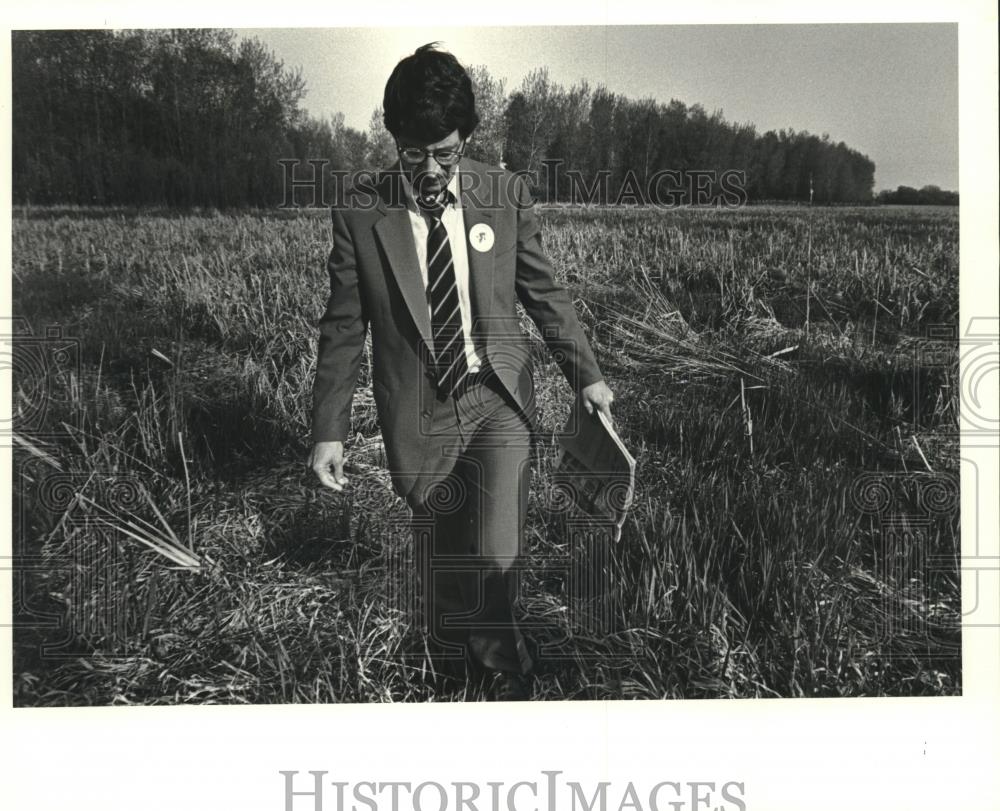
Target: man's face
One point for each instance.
(428, 177)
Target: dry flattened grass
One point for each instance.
(744, 569)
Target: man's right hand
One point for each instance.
(325, 455)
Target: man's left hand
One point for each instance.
(597, 395)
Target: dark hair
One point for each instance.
(429, 95)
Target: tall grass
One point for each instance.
(764, 362)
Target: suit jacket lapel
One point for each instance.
(396, 236)
(476, 210)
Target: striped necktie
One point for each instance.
(450, 365)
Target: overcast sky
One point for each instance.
(890, 91)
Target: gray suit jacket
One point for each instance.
(375, 280)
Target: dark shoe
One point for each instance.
(511, 687)
(443, 670)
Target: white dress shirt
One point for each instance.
(454, 225)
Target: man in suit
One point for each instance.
(432, 256)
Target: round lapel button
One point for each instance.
(481, 237)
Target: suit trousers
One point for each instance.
(469, 508)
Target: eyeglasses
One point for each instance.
(445, 157)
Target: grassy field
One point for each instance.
(786, 378)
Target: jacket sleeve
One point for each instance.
(342, 332)
(547, 302)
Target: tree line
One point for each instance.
(924, 196)
(184, 117)
(202, 117)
